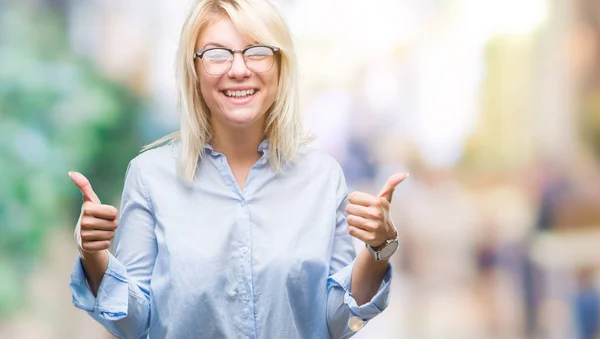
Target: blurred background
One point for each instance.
(493, 106)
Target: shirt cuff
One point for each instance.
(113, 294)
(376, 305)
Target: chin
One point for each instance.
(240, 112)
(242, 117)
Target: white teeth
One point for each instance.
(239, 94)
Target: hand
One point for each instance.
(97, 223)
(369, 216)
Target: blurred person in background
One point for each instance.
(586, 305)
(232, 226)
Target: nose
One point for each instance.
(238, 68)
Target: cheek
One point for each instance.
(207, 90)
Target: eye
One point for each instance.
(217, 54)
(258, 52)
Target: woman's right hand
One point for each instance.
(94, 232)
(97, 223)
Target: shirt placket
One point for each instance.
(245, 266)
(243, 260)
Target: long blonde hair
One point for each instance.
(256, 20)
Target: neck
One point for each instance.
(239, 145)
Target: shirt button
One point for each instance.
(245, 297)
(355, 323)
(244, 249)
(243, 203)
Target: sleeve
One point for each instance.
(122, 304)
(344, 316)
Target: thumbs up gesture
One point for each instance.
(369, 216)
(97, 222)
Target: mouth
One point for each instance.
(239, 97)
(239, 94)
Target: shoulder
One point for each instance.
(159, 158)
(315, 160)
(321, 169)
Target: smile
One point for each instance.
(239, 93)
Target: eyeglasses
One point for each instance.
(218, 60)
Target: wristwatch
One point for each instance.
(385, 251)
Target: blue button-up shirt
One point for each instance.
(273, 260)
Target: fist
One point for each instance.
(369, 215)
(97, 223)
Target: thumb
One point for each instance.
(388, 189)
(86, 188)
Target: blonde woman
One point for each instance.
(233, 227)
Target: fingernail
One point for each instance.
(70, 173)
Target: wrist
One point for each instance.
(385, 251)
(393, 234)
(95, 256)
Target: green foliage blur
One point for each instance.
(57, 113)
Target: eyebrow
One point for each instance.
(216, 44)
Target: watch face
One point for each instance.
(387, 251)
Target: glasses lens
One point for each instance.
(259, 59)
(217, 61)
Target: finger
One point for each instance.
(85, 187)
(388, 189)
(361, 234)
(362, 223)
(371, 213)
(363, 199)
(92, 223)
(95, 235)
(95, 246)
(100, 211)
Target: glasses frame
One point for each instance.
(200, 54)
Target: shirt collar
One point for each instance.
(262, 147)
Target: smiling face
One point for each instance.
(239, 97)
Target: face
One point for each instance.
(239, 97)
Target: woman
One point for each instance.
(235, 228)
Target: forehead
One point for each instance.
(221, 31)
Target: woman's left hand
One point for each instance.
(369, 216)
